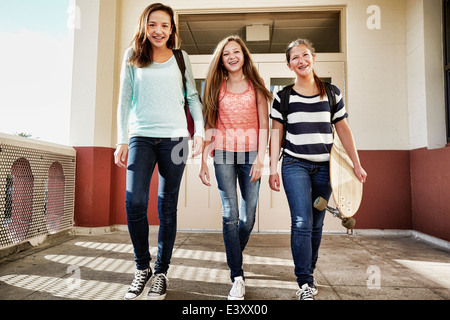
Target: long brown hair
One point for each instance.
(309, 44)
(142, 54)
(217, 73)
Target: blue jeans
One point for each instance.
(303, 183)
(144, 153)
(237, 222)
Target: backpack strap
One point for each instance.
(284, 95)
(180, 61)
(331, 94)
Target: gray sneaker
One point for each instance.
(158, 287)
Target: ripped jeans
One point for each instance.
(238, 221)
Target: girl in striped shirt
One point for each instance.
(306, 154)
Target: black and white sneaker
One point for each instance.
(305, 293)
(158, 287)
(137, 286)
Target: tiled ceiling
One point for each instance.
(200, 33)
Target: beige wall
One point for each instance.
(376, 76)
(394, 78)
(379, 63)
(393, 88)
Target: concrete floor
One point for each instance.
(350, 267)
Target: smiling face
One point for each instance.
(232, 57)
(301, 60)
(159, 28)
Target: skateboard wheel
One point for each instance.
(349, 223)
(320, 204)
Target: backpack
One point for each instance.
(180, 61)
(285, 94)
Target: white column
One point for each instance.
(426, 101)
(93, 73)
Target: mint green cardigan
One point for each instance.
(151, 101)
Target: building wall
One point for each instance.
(394, 96)
(376, 73)
(429, 156)
(430, 186)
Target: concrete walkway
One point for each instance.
(350, 267)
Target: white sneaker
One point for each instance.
(305, 293)
(138, 284)
(237, 292)
(314, 288)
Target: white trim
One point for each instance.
(86, 231)
(430, 239)
(356, 232)
(36, 144)
(403, 233)
(272, 57)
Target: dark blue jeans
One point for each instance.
(303, 183)
(144, 153)
(238, 221)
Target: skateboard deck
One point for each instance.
(346, 188)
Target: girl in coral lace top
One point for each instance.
(236, 113)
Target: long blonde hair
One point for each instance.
(217, 74)
(142, 54)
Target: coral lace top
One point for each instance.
(237, 121)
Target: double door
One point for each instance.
(199, 206)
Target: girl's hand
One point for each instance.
(256, 170)
(120, 155)
(360, 173)
(197, 146)
(204, 174)
(274, 182)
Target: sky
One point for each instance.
(35, 69)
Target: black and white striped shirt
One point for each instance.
(309, 135)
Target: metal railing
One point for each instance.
(37, 189)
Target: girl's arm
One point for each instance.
(276, 138)
(263, 118)
(195, 107)
(123, 111)
(204, 171)
(348, 142)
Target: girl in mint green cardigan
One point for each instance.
(152, 129)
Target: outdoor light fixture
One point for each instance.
(257, 32)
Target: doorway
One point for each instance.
(200, 206)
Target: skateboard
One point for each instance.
(346, 188)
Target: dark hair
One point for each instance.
(309, 44)
(142, 54)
